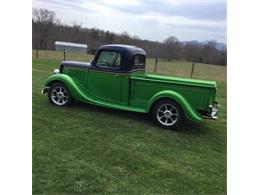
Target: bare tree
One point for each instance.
(43, 21)
(173, 48)
(209, 51)
(192, 52)
(44, 16)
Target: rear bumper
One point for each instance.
(213, 114)
(45, 89)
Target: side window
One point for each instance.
(139, 60)
(109, 59)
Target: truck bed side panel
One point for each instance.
(143, 90)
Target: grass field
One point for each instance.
(85, 149)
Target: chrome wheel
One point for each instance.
(59, 95)
(167, 114)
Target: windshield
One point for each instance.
(109, 59)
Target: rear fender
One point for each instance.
(189, 112)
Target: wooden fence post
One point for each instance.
(64, 54)
(155, 67)
(192, 69)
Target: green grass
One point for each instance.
(85, 149)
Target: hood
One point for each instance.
(179, 80)
(74, 64)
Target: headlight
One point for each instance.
(56, 71)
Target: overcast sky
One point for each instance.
(149, 19)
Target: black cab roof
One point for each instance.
(123, 48)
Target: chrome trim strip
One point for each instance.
(115, 72)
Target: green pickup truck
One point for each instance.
(116, 78)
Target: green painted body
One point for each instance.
(137, 91)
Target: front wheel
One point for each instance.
(59, 95)
(167, 114)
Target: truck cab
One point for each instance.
(108, 77)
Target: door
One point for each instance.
(104, 79)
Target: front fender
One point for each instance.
(74, 88)
(189, 112)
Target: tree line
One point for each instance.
(47, 28)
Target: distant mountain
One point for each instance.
(219, 45)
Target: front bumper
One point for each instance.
(45, 89)
(213, 113)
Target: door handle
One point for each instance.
(116, 75)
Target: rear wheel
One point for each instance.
(167, 114)
(59, 95)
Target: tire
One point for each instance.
(59, 95)
(167, 114)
